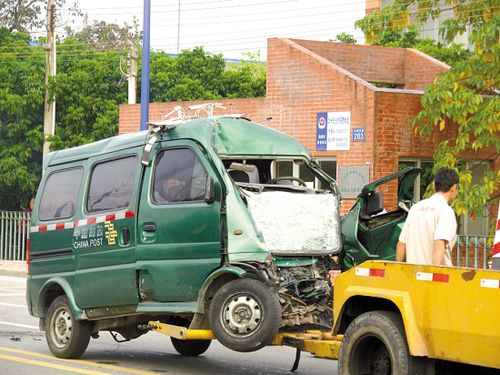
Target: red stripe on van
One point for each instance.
(91, 220)
(42, 228)
(129, 214)
(59, 226)
(110, 217)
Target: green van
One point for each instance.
(188, 224)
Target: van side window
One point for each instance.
(112, 184)
(178, 177)
(60, 194)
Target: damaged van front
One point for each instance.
(281, 231)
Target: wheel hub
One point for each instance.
(62, 328)
(242, 314)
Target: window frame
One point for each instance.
(89, 180)
(151, 197)
(52, 173)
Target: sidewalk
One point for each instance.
(13, 268)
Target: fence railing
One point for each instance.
(14, 234)
(470, 251)
(473, 251)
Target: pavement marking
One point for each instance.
(51, 365)
(79, 361)
(13, 305)
(11, 294)
(18, 325)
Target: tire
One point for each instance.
(190, 348)
(258, 319)
(375, 343)
(66, 336)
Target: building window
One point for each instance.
(178, 177)
(60, 194)
(283, 168)
(112, 184)
(466, 225)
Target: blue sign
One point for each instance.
(332, 131)
(321, 130)
(359, 134)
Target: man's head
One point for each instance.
(446, 182)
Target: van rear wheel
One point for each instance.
(66, 336)
(190, 348)
(245, 315)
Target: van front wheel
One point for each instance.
(66, 336)
(245, 315)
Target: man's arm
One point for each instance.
(438, 253)
(400, 252)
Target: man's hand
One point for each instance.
(400, 252)
(438, 253)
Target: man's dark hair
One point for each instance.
(444, 179)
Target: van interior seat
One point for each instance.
(244, 173)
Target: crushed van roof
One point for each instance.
(229, 137)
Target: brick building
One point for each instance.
(379, 88)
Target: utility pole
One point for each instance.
(145, 66)
(178, 26)
(49, 116)
(132, 74)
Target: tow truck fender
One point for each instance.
(403, 303)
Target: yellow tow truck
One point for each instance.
(397, 318)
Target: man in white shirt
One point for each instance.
(429, 232)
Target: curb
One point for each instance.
(13, 268)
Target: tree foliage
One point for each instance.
(344, 38)
(89, 87)
(465, 98)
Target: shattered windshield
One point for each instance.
(294, 223)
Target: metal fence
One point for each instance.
(473, 251)
(470, 251)
(14, 234)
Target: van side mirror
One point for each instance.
(209, 190)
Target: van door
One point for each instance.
(104, 239)
(179, 232)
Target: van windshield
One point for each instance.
(296, 223)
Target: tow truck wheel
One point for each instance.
(66, 336)
(190, 348)
(375, 343)
(245, 315)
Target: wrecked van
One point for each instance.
(186, 224)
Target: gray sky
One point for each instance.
(232, 27)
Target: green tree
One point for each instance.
(21, 118)
(88, 92)
(345, 38)
(466, 97)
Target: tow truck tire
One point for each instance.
(66, 336)
(190, 348)
(375, 343)
(245, 315)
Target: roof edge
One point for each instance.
(328, 63)
(429, 58)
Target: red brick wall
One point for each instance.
(396, 138)
(299, 84)
(421, 69)
(371, 63)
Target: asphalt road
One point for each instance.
(23, 350)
